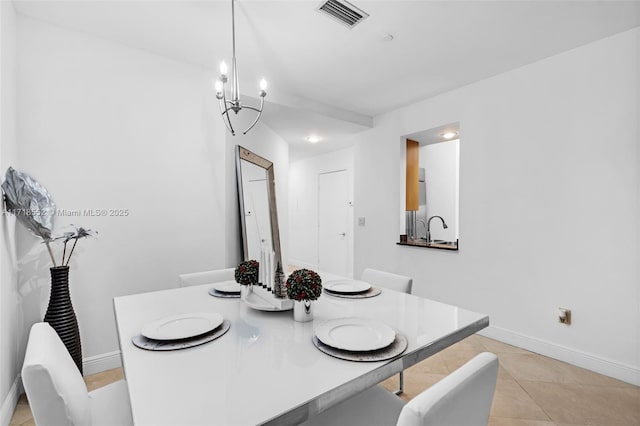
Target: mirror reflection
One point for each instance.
(258, 214)
(256, 208)
(432, 188)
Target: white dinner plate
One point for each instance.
(182, 326)
(347, 286)
(227, 287)
(355, 334)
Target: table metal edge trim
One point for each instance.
(328, 399)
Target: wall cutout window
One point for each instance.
(432, 187)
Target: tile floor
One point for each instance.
(532, 390)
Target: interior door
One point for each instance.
(333, 223)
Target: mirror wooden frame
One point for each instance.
(253, 158)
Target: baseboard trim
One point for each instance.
(617, 370)
(10, 402)
(99, 363)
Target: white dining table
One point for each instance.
(265, 369)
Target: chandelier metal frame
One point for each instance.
(234, 104)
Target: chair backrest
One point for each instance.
(56, 391)
(388, 280)
(207, 277)
(462, 398)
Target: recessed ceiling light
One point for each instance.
(449, 134)
(313, 138)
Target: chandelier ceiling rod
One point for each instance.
(234, 104)
(235, 91)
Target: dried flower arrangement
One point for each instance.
(247, 272)
(304, 284)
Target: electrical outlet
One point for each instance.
(361, 221)
(564, 316)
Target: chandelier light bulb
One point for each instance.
(218, 86)
(223, 68)
(263, 84)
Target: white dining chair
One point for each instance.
(463, 398)
(388, 280)
(207, 277)
(57, 393)
(393, 282)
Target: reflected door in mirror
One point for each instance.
(257, 216)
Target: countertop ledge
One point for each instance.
(424, 244)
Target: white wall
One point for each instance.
(10, 326)
(303, 204)
(103, 126)
(549, 211)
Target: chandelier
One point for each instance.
(234, 104)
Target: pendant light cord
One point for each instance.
(235, 92)
(233, 28)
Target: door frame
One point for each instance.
(349, 224)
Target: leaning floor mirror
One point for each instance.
(257, 202)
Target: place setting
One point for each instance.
(181, 331)
(226, 290)
(358, 339)
(350, 289)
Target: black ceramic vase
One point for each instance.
(60, 314)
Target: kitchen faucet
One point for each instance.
(444, 225)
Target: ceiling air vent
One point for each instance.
(343, 12)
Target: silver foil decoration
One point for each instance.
(32, 205)
(30, 202)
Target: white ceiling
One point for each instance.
(434, 135)
(316, 65)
